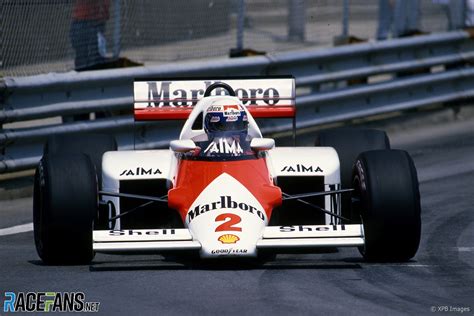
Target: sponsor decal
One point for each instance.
(167, 95)
(302, 228)
(224, 202)
(68, 302)
(131, 232)
(223, 147)
(215, 119)
(228, 239)
(231, 118)
(231, 107)
(140, 172)
(301, 168)
(231, 110)
(215, 108)
(228, 251)
(230, 221)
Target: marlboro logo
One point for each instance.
(224, 202)
(178, 94)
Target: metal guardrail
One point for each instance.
(333, 84)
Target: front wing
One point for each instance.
(274, 237)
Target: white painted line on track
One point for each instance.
(16, 229)
(409, 265)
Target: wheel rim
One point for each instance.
(39, 210)
(356, 206)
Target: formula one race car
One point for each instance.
(222, 190)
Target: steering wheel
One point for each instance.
(219, 85)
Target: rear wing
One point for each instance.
(174, 99)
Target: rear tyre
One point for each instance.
(65, 203)
(349, 143)
(387, 199)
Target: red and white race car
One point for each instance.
(221, 189)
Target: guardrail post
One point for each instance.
(345, 19)
(456, 15)
(117, 25)
(296, 20)
(406, 17)
(240, 25)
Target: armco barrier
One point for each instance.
(383, 77)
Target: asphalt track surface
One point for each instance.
(439, 280)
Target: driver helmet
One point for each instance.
(225, 118)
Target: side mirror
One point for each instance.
(261, 144)
(182, 145)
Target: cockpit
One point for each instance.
(220, 128)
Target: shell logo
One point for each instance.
(228, 239)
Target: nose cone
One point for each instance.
(226, 219)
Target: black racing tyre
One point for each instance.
(65, 202)
(92, 145)
(349, 143)
(387, 198)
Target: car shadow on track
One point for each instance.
(221, 265)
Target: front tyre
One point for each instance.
(65, 203)
(387, 199)
(91, 145)
(349, 143)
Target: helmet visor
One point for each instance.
(222, 126)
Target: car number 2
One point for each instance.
(230, 220)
